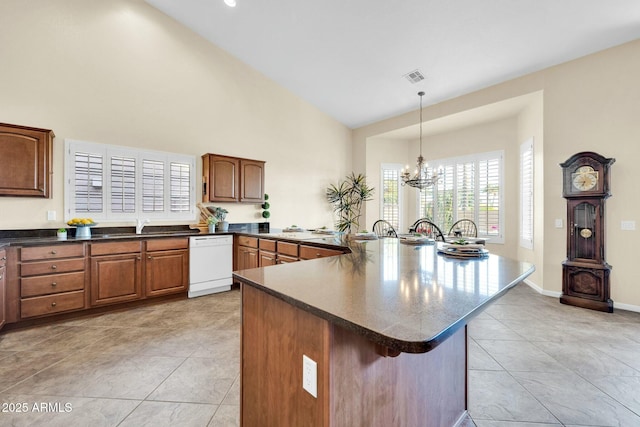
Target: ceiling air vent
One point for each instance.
(414, 76)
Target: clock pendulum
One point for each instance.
(585, 273)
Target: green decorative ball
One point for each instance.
(266, 196)
(265, 205)
(266, 214)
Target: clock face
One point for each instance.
(586, 233)
(584, 178)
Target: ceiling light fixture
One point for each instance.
(422, 177)
(230, 3)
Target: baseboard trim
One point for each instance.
(553, 294)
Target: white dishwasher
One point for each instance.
(210, 264)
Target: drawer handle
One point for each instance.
(148, 256)
(1, 276)
(317, 255)
(53, 304)
(54, 267)
(53, 252)
(54, 284)
(4, 258)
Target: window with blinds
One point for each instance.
(468, 187)
(390, 203)
(88, 182)
(180, 185)
(526, 194)
(152, 185)
(119, 183)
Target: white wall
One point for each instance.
(120, 72)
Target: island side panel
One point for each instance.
(368, 389)
(275, 335)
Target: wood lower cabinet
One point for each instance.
(166, 266)
(312, 252)
(128, 271)
(267, 252)
(116, 272)
(247, 254)
(25, 161)
(52, 279)
(3, 261)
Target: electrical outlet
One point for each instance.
(558, 222)
(628, 225)
(51, 215)
(310, 376)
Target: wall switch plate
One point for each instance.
(628, 225)
(310, 376)
(558, 222)
(51, 215)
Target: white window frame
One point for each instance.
(107, 151)
(526, 214)
(476, 159)
(394, 167)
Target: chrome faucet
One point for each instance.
(140, 223)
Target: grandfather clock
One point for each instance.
(585, 273)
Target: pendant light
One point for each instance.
(422, 177)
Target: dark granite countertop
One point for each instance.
(407, 298)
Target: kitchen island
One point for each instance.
(385, 326)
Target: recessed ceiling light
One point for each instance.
(230, 3)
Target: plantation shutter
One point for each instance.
(465, 191)
(88, 170)
(123, 184)
(152, 185)
(489, 197)
(180, 178)
(526, 194)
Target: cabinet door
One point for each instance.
(116, 278)
(251, 181)
(267, 258)
(167, 272)
(25, 161)
(221, 175)
(247, 258)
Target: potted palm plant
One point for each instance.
(347, 198)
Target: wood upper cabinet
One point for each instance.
(232, 179)
(251, 181)
(25, 161)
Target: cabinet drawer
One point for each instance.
(311, 252)
(167, 244)
(51, 252)
(51, 304)
(283, 259)
(267, 245)
(287, 248)
(52, 267)
(111, 248)
(51, 284)
(252, 242)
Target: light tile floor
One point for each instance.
(533, 363)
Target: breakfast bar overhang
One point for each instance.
(386, 326)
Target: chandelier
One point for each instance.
(422, 177)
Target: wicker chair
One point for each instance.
(383, 229)
(464, 228)
(429, 229)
